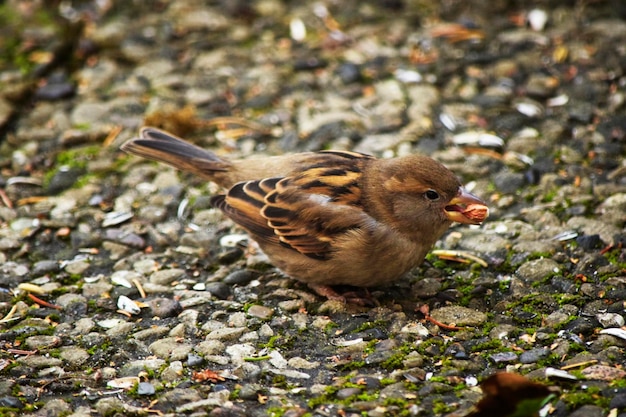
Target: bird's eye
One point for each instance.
(432, 195)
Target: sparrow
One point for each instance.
(330, 217)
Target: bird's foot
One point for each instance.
(349, 297)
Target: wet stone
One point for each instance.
(504, 357)
(165, 307)
(219, 290)
(194, 360)
(240, 277)
(170, 349)
(11, 402)
(588, 411)
(346, 393)
(534, 355)
(260, 312)
(166, 276)
(509, 182)
(589, 242)
(42, 342)
(134, 367)
(537, 269)
(426, 287)
(173, 372)
(145, 388)
(250, 391)
(581, 325)
(40, 361)
(460, 316)
(73, 356)
(45, 267)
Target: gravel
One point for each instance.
(122, 292)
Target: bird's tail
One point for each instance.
(161, 146)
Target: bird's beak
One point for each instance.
(467, 208)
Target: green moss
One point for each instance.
(75, 158)
(352, 365)
(330, 327)
(428, 343)
(618, 383)
(591, 396)
(99, 348)
(440, 407)
(132, 392)
(10, 412)
(614, 256)
(491, 344)
(276, 411)
(326, 398)
(370, 325)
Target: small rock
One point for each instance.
(165, 307)
(261, 312)
(589, 242)
(194, 360)
(240, 277)
(588, 411)
(610, 320)
(45, 267)
(210, 347)
(9, 401)
(74, 356)
(173, 372)
(145, 388)
(170, 348)
(218, 289)
(504, 357)
(459, 316)
(228, 333)
(534, 355)
(537, 269)
(57, 407)
(239, 352)
(166, 276)
(346, 393)
(250, 391)
(42, 342)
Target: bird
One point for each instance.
(331, 217)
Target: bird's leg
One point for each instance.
(350, 297)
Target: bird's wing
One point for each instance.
(306, 211)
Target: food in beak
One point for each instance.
(467, 208)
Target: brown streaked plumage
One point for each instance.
(330, 217)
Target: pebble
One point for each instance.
(194, 360)
(219, 290)
(145, 388)
(537, 269)
(393, 94)
(42, 342)
(260, 312)
(228, 333)
(459, 316)
(534, 355)
(170, 348)
(173, 372)
(504, 357)
(239, 352)
(75, 357)
(167, 276)
(39, 362)
(240, 277)
(164, 307)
